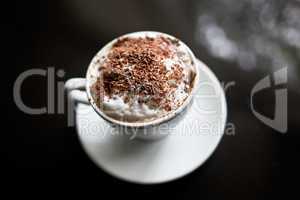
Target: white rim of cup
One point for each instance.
(153, 122)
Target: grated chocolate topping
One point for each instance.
(134, 68)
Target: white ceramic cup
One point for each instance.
(153, 129)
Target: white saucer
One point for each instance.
(187, 147)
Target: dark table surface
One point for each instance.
(242, 42)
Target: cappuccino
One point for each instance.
(142, 78)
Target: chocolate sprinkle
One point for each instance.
(134, 67)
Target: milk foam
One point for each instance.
(115, 106)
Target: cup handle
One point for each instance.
(75, 88)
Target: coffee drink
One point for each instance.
(142, 77)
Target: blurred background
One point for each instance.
(241, 41)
